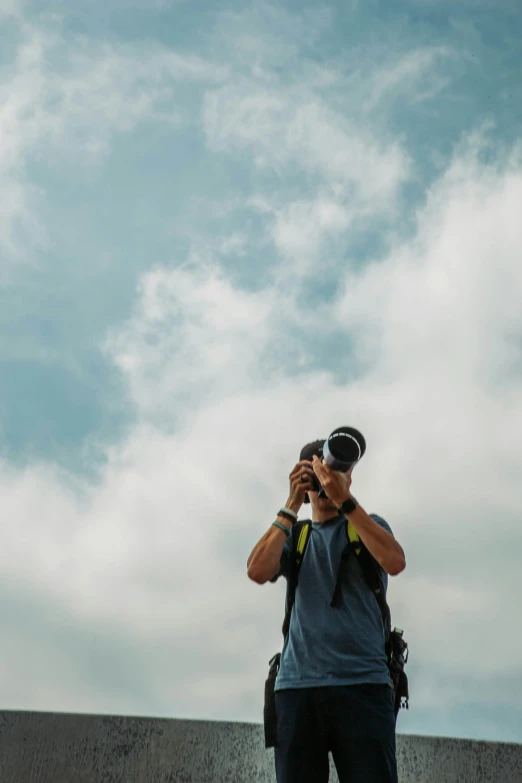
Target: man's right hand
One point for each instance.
(301, 482)
(264, 561)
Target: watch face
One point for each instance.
(348, 505)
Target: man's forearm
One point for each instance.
(263, 563)
(264, 559)
(381, 544)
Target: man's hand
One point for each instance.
(381, 544)
(301, 482)
(335, 484)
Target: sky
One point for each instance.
(225, 231)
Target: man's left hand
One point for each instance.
(335, 484)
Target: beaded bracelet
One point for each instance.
(281, 527)
(287, 515)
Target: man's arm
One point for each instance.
(381, 544)
(264, 561)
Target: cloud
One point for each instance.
(193, 335)
(157, 549)
(323, 123)
(71, 115)
(11, 7)
(415, 76)
(143, 569)
(264, 37)
(354, 177)
(300, 228)
(285, 128)
(463, 306)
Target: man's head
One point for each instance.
(316, 447)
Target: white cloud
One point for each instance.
(299, 231)
(233, 244)
(65, 101)
(356, 176)
(285, 127)
(265, 35)
(11, 7)
(152, 557)
(459, 280)
(325, 124)
(193, 335)
(322, 121)
(442, 465)
(415, 76)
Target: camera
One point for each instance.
(343, 449)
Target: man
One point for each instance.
(333, 691)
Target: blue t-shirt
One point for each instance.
(332, 646)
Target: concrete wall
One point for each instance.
(62, 748)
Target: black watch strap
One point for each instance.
(348, 506)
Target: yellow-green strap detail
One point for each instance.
(353, 536)
(302, 538)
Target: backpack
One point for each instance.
(395, 646)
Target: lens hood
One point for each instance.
(344, 448)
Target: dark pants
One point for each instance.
(355, 722)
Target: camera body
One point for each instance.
(315, 481)
(341, 451)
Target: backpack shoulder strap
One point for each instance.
(300, 537)
(351, 546)
(370, 571)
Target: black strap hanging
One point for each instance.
(293, 574)
(371, 575)
(345, 555)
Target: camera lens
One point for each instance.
(344, 448)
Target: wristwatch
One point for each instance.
(348, 506)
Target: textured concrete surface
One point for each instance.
(63, 748)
